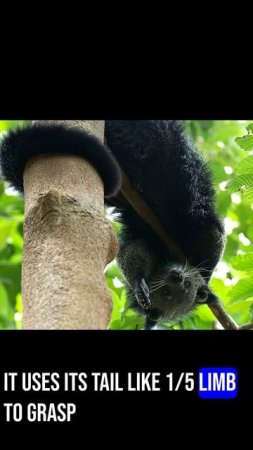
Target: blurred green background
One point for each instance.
(227, 146)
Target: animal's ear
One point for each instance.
(153, 316)
(205, 295)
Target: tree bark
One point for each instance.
(67, 242)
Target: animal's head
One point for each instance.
(176, 292)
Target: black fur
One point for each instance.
(20, 145)
(176, 183)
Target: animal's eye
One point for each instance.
(187, 284)
(202, 295)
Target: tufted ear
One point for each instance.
(20, 145)
(154, 315)
(205, 295)
(202, 294)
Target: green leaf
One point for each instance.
(242, 183)
(10, 276)
(245, 166)
(6, 125)
(114, 272)
(128, 323)
(231, 246)
(249, 128)
(217, 171)
(1, 187)
(240, 311)
(219, 288)
(243, 290)
(245, 142)
(117, 306)
(243, 262)
(19, 305)
(4, 302)
(6, 227)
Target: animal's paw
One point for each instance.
(142, 295)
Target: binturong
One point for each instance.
(173, 179)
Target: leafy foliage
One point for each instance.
(243, 263)
(223, 144)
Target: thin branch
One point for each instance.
(225, 320)
(147, 214)
(136, 200)
(248, 326)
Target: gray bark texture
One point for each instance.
(67, 242)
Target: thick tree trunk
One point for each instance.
(67, 242)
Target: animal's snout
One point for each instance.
(176, 276)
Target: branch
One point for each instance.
(225, 320)
(145, 212)
(135, 199)
(67, 239)
(248, 326)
